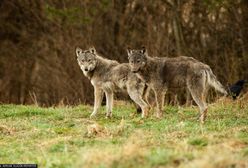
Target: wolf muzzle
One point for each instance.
(135, 70)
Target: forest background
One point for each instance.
(38, 40)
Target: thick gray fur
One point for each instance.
(107, 76)
(161, 74)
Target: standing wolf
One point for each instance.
(108, 75)
(161, 74)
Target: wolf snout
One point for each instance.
(134, 70)
(86, 69)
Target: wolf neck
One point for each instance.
(104, 63)
(89, 74)
(103, 66)
(145, 72)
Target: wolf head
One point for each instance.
(137, 59)
(86, 59)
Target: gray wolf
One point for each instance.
(161, 74)
(107, 76)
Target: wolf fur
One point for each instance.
(107, 76)
(163, 73)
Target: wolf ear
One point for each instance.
(92, 50)
(78, 51)
(129, 50)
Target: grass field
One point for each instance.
(65, 137)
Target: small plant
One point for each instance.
(201, 142)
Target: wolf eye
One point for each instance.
(138, 61)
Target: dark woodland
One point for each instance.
(38, 40)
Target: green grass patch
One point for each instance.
(66, 137)
(200, 142)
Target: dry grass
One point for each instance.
(65, 137)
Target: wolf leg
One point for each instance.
(98, 96)
(146, 94)
(188, 98)
(138, 108)
(198, 94)
(159, 97)
(136, 92)
(137, 98)
(109, 98)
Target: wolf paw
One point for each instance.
(202, 118)
(145, 112)
(92, 116)
(144, 115)
(159, 115)
(108, 115)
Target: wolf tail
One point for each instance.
(212, 81)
